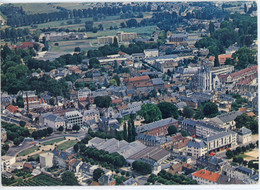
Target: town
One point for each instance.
(139, 93)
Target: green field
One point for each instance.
(28, 151)
(53, 141)
(40, 180)
(34, 8)
(66, 145)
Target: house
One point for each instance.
(206, 177)
(244, 170)
(107, 180)
(92, 114)
(196, 148)
(210, 162)
(150, 140)
(227, 120)
(244, 135)
(54, 121)
(27, 166)
(189, 125)
(158, 83)
(180, 167)
(138, 82)
(12, 109)
(157, 128)
(205, 129)
(130, 181)
(60, 158)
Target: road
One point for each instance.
(14, 150)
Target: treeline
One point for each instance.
(228, 34)
(167, 178)
(93, 154)
(137, 47)
(17, 17)
(13, 34)
(42, 133)
(15, 133)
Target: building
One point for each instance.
(206, 177)
(46, 160)
(157, 128)
(189, 125)
(91, 114)
(73, 118)
(178, 38)
(59, 158)
(221, 141)
(244, 135)
(7, 162)
(210, 162)
(130, 181)
(222, 58)
(150, 140)
(126, 37)
(107, 180)
(54, 121)
(227, 120)
(151, 53)
(205, 129)
(138, 82)
(83, 94)
(196, 148)
(105, 40)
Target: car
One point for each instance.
(32, 143)
(43, 137)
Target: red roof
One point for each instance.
(141, 78)
(242, 72)
(208, 175)
(12, 108)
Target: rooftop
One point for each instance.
(208, 175)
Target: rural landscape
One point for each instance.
(129, 93)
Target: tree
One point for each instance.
(209, 109)
(216, 61)
(172, 130)
(76, 127)
(76, 147)
(142, 167)
(187, 112)
(97, 173)
(240, 159)
(94, 63)
(229, 154)
(150, 113)
(19, 102)
(68, 178)
(113, 82)
(115, 43)
(168, 110)
(125, 132)
(77, 49)
(51, 102)
(22, 123)
(116, 77)
(239, 149)
(60, 128)
(211, 27)
(103, 101)
(49, 130)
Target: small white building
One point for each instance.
(53, 121)
(91, 114)
(7, 162)
(46, 160)
(73, 118)
(151, 53)
(244, 135)
(196, 149)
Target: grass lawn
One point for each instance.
(67, 145)
(28, 151)
(53, 141)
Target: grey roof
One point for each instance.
(219, 135)
(245, 170)
(181, 104)
(189, 122)
(130, 181)
(209, 126)
(223, 179)
(106, 179)
(61, 154)
(90, 112)
(155, 125)
(54, 118)
(155, 139)
(157, 81)
(210, 159)
(244, 131)
(195, 144)
(231, 116)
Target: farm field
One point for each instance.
(67, 145)
(28, 151)
(40, 180)
(34, 8)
